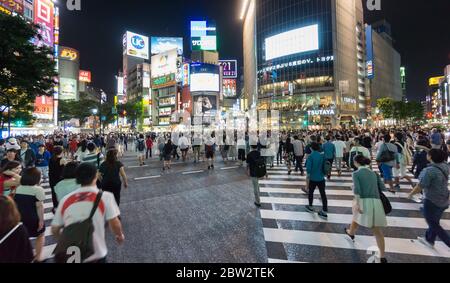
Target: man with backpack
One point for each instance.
(256, 169)
(82, 216)
(317, 168)
(356, 150)
(140, 148)
(387, 158)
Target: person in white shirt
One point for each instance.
(341, 149)
(183, 143)
(356, 150)
(77, 206)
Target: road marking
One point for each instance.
(400, 222)
(148, 177)
(348, 193)
(303, 183)
(341, 241)
(337, 203)
(48, 216)
(193, 172)
(229, 168)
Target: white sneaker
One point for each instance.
(425, 242)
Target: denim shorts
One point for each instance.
(387, 172)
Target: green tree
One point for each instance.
(26, 71)
(386, 107)
(416, 112)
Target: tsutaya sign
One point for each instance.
(327, 112)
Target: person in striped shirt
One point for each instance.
(93, 156)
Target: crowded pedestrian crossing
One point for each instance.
(294, 235)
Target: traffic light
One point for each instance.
(19, 123)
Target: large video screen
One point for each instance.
(205, 78)
(163, 44)
(292, 42)
(203, 36)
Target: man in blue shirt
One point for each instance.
(315, 170)
(329, 150)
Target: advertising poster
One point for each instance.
(43, 108)
(68, 89)
(163, 44)
(186, 100)
(205, 104)
(85, 76)
(164, 63)
(229, 88)
(44, 17)
(137, 45)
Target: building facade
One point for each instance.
(301, 58)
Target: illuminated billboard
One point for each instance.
(229, 68)
(13, 5)
(137, 45)
(205, 78)
(203, 36)
(68, 54)
(163, 44)
(292, 42)
(44, 17)
(43, 108)
(229, 88)
(164, 63)
(85, 76)
(370, 67)
(435, 81)
(68, 89)
(205, 104)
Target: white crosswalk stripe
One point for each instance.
(289, 229)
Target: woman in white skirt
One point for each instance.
(368, 210)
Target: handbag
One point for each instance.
(386, 155)
(386, 203)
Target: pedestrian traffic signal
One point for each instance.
(19, 123)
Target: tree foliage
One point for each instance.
(26, 70)
(409, 112)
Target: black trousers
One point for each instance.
(54, 199)
(312, 187)
(280, 157)
(149, 152)
(241, 154)
(299, 163)
(114, 189)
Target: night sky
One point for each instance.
(420, 30)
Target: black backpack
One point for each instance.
(260, 167)
(141, 146)
(386, 155)
(78, 235)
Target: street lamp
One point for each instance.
(95, 112)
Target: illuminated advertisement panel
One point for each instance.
(164, 63)
(163, 44)
(292, 42)
(186, 74)
(13, 5)
(43, 108)
(203, 36)
(369, 53)
(205, 78)
(229, 88)
(137, 45)
(85, 76)
(229, 69)
(205, 104)
(68, 89)
(44, 17)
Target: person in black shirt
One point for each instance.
(55, 171)
(252, 157)
(15, 246)
(111, 170)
